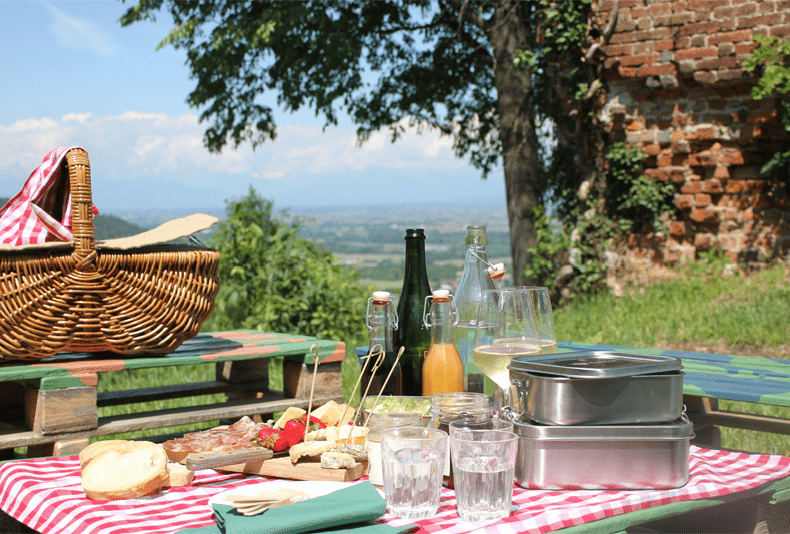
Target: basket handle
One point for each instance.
(81, 202)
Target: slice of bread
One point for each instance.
(178, 475)
(125, 470)
(96, 448)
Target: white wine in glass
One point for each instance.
(506, 329)
(493, 360)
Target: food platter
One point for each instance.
(328, 449)
(282, 467)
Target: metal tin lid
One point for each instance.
(596, 364)
(677, 430)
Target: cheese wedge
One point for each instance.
(337, 460)
(310, 449)
(290, 413)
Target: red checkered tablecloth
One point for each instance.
(46, 495)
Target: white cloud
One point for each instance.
(157, 144)
(80, 34)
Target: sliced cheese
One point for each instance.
(310, 449)
(337, 460)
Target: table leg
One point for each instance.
(705, 435)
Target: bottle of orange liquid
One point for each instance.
(442, 371)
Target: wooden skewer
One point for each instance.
(370, 412)
(312, 388)
(359, 380)
(379, 361)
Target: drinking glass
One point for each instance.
(473, 425)
(413, 464)
(544, 317)
(483, 467)
(506, 329)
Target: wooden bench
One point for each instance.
(51, 406)
(713, 377)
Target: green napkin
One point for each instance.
(350, 509)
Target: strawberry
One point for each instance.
(315, 423)
(293, 432)
(273, 439)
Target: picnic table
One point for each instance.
(45, 494)
(713, 377)
(52, 406)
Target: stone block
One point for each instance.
(692, 187)
(684, 202)
(712, 186)
(704, 215)
(702, 200)
(704, 242)
(721, 172)
(677, 228)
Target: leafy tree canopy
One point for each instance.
(275, 281)
(429, 66)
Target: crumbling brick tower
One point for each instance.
(675, 86)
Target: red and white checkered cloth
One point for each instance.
(46, 495)
(27, 217)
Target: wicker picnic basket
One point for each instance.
(80, 299)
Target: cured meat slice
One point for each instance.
(239, 435)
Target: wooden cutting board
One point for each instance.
(304, 470)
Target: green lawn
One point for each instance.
(736, 315)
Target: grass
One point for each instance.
(702, 311)
(700, 308)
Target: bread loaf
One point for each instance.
(124, 470)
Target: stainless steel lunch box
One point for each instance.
(596, 387)
(603, 456)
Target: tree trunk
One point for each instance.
(517, 133)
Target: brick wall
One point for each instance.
(675, 87)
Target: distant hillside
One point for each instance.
(107, 226)
(110, 227)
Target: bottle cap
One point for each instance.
(496, 271)
(381, 295)
(441, 294)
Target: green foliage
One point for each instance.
(552, 248)
(579, 245)
(772, 60)
(634, 200)
(432, 67)
(275, 281)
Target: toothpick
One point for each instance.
(312, 388)
(379, 361)
(359, 380)
(370, 412)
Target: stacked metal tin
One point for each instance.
(600, 420)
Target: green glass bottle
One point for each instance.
(412, 334)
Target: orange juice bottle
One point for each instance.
(442, 371)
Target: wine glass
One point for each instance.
(544, 317)
(506, 329)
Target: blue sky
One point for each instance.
(71, 75)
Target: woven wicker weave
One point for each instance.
(89, 300)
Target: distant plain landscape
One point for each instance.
(368, 239)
